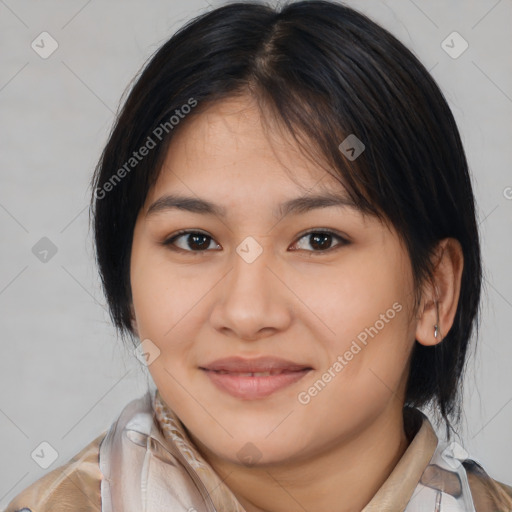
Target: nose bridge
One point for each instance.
(250, 270)
(250, 300)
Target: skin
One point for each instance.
(333, 453)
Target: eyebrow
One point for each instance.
(298, 205)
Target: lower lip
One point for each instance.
(252, 388)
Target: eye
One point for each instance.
(193, 241)
(321, 240)
(196, 241)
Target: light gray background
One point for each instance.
(64, 375)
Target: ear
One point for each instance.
(134, 321)
(445, 290)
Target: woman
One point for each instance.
(299, 269)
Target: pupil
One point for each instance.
(195, 238)
(324, 236)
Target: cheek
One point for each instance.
(152, 299)
(168, 312)
(365, 371)
(363, 311)
(165, 315)
(162, 295)
(353, 295)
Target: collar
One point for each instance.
(397, 490)
(174, 431)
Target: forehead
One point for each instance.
(229, 147)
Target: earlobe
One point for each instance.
(430, 329)
(442, 295)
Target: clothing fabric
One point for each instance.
(147, 462)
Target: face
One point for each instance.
(323, 287)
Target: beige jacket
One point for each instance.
(146, 462)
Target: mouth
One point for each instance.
(254, 374)
(254, 385)
(261, 364)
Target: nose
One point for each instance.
(252, 302)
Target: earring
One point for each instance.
(436, 326)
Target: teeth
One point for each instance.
(254, 374)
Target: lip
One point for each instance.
(227, 375)
(256, 387)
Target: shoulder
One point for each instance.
(75, 485)
(489, 495)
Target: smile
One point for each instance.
(254, 385)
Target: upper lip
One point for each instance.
(259, 364)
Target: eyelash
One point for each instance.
(169, 242)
